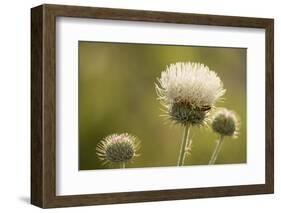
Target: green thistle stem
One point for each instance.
(187, 150)
(216, 151)
(184, 144)
(123, 165)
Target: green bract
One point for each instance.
(187, 114)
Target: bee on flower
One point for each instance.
(188, 91)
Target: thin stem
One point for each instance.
(216, 151)
(123, 165)
(187, 150)
(184, 144)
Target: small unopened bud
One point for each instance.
(225, 122)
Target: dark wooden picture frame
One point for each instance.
(43, 105)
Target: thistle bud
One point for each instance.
(225, 122)
(117, 149)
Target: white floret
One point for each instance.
(193, 83)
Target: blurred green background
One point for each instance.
(117, 95)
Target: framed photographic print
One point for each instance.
(136, 106)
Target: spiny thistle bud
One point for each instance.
(225, 122)
(188, 91)
(118, 148)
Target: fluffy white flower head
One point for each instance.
(190, 83)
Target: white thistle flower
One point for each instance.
(190, 82)
(188, 91)
(118, 149)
